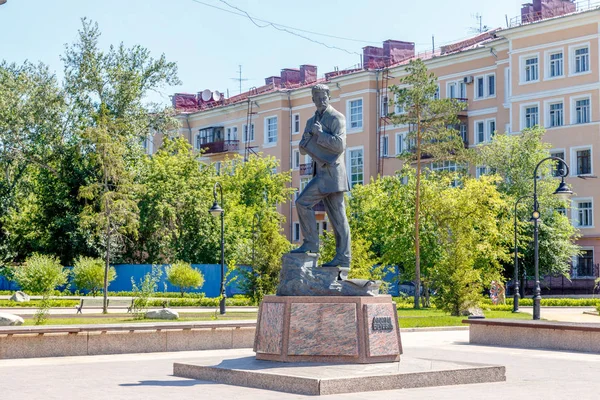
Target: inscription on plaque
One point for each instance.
(382, 324)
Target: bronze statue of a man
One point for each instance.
(324, 140)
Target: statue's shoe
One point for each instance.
(305, 249)
(343, 268)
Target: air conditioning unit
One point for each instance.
(468, 79)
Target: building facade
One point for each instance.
(544, 69)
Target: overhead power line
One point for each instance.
(285, 28)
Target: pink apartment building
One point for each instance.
(543, 69)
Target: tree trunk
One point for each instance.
(417, 204)
(106, 267)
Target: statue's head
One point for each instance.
(320, 96)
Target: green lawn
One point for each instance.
(408, 318)
(430, 317)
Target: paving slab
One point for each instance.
(324, 379)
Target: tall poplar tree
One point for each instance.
(431, 133)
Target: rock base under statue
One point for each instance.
(340, 329)
(301, 276)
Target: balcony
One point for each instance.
(222, 146)
(319, 207)
(306, 169)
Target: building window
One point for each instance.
(480, 131)
(296, 163)
(584, 264)
(399, 143)
(296, 123)
(245, 136)
(556, 65)
(462, 90)
(582, 60)
(296, 236)
(557, 164)
(303, 183)
(491, 124)
(584, 162)
(451, 90)
(356, 114)
(462, 130)
(582, 111)
(531, 116)
(481, 170)
(436, 95)
(231, 133)
(480, 88)
(531, 69)
(443, 166)
(584, 214)
(148, 145)
(491, 85)
(562, 211)
(356, 167)
(324, 224)
(398, 107)
(556, 115)
(384, 106)
(384, 146)
(271, 130)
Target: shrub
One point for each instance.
(40, 274)
(88, 274)
(144, 291)
(184, 276)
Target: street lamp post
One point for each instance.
(516, 265)
(216, 211)
(563, 190)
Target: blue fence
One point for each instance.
(126, 272)
(212, 280)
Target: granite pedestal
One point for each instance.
(338, 329)
(325, 379)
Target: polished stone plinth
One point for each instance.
(340, 329)
(323, 379)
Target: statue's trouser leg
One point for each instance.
(336, 211)
(306, 215)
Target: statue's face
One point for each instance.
(321, 100)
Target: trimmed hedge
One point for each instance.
(36, 303)
(202, 302)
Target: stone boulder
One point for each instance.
(20, 297)
(7, 319)
(473, 313)
(164, 313)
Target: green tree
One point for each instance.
(88, 274)
(106, 91)
(253, 188)
(473, 229)
(429, 119)
(364, 264)
(32, 136)
(383, 213)
(514, 158)
(40, 274)
(174, 222)
(184, 276)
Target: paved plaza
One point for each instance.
(530, 373)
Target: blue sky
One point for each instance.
(209, 44)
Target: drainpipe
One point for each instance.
(187, 120)
(289, 93)
(377, 120)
